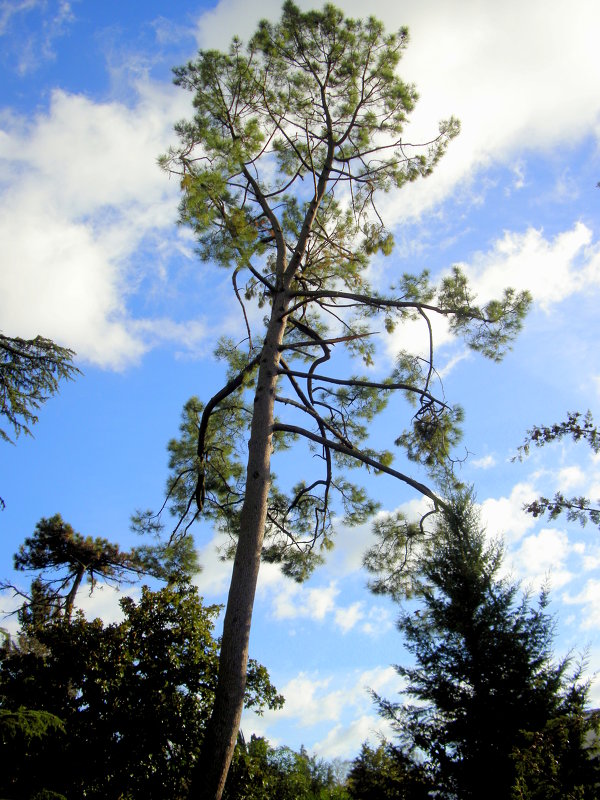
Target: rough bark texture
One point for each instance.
(210, 777)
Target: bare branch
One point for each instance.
(363, 458)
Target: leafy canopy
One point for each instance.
(132, 699)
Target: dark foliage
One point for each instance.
(484, 675)
(133, 698)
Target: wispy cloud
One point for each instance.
(33, 27)
(485, 462)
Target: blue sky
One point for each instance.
(91, 256)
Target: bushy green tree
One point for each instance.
(484, 675)
(387, 773)
(293, 139)
(548, 763)
(262, 772)
(134, 698)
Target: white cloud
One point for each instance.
(293, 601)
(505, 516)
(542, 557)
(485, 462)
(307, 700)
(551, 269)
(103, 602)
(288, 600)
(216, 573)
(8, 10)
(590, 556)
(380, 620)
(30, 45)
(447, 368)
(350, 546)
(413, 337)
(347, 618)
(570, 477)
(311, 701)
(519, 173)
(345, 740)
(81, 194)
(589, 598)
(9, 604)
(382, 680)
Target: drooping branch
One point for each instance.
(229, 388)
(387, 386)
(363, 458)
(30, 372)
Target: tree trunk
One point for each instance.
(217, 751)
(70, 599)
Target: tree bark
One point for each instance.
(210, 774)
(70, 600)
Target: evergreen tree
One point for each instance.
(30, 371)
(56, 547)
(293, 139)
(65, 558)
(484, 675)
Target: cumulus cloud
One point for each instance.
(590, 555)
(570, 477)
(293, 601)
(344, 740)
(81, 197)
(287, 600)
(552, 269)
(313, 699)
(309, 700)
(348, 617)
(485, 462)
(498, 67)
(504, 516)
(542, 557)
(103, 602)
(215, 576)
(379, 621)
